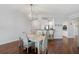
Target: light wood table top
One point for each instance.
(34, 37)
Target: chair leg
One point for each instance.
(46, 51)
(38, 48)
(27, 50)
(35, 50)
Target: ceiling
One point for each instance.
(43, 9)
(55, 9)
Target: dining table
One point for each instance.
(37, 39)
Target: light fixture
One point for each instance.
(50, 23)
(31, 12)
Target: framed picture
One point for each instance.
(65, 27)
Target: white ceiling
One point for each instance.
(43, 9)
(56, 9)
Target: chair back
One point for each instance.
(51, 32)
(44, 32)
(39, 32)
(24, 38)
(45, 44)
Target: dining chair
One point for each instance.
(45, 44)
(26, 42)
(44, 32)
(20, 46)
(51, 33)
(40, 46)
(39, 32)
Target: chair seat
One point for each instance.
(30, 43)
(40, 45)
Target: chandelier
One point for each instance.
(31, 12)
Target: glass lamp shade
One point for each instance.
(47, 27)
(50, 23)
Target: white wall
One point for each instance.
(59, 26)
(75, 17)
(78, 34)
(58, 21)
(12, 22)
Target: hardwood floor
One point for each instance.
(58, 47)
(10, 48)
(55, 46)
